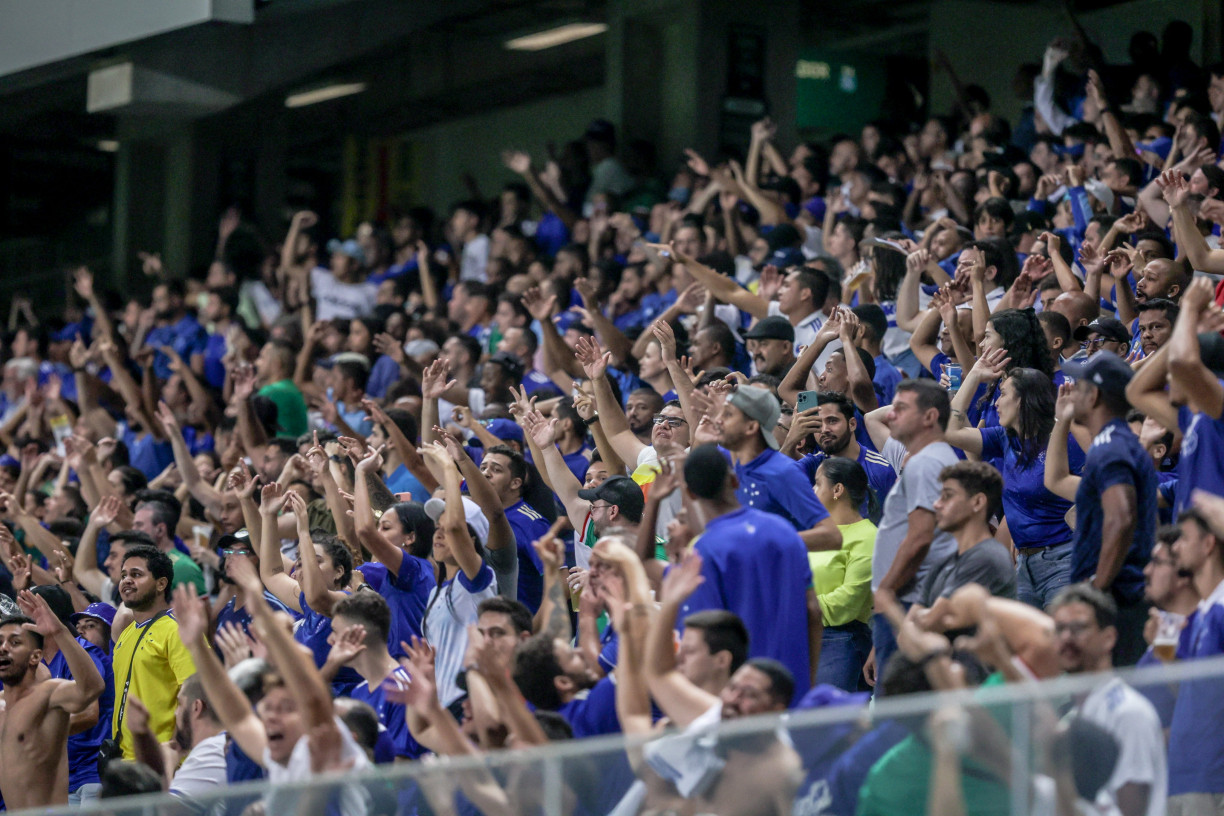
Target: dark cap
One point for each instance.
(1108, 327)
(601, 130)
(512, 364)
(1211, 350)
(620, 491)
(784, 258)
(1108, 372)
(59, 600)
(772, 328)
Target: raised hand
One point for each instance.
(770, 283)
(22, 574)
(434, 382)
(242, 572)
(1064, 406)
(517, 161)
(696, 163)
(242, 481)
(1174, 187)
(372, 462)
(1091, 259)
(453, 449)
(551, 551)
(917, 260)
(1199, 294)
(233, 643)
(591, 357)
(992, 365)
(540, 307)
(35, 607)
(663, 332)
(461, 415)
(61, 565)
(347, 646)
(388, 345)
(272, 499)
(670, 476)
(107, 511)
(83, 282)
(522, 403)
(683, 579)
(543, 432)
(586, 290)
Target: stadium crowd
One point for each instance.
(933, 406)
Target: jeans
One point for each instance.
(85, 794)
(843, 651)
(1041, 573)
(885, 642)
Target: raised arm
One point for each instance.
(366, 525)
(862, 389)
(452, 520)
(542, 432)
(501, 534)
(271, 564)
(87, 685)
(594, 362)
(405, 447)
(1201, 256)
(1146, 390)
(85, 565)
(989, 368)
(314, 587)
(720, 286)
(1185, 358)
(796, 379)
(1058, 478)
(558, 359)
(676, 695)
(200, 490)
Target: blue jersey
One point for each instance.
(538, 384)
(886, 378)
(1035, 516)
(146, 454)
(756, 566)
(313, 632)
(880, 477)
(383, 374)
(1201, 463)
(1115, 458)
(391, 715)
(1166, 486)
(1196, 735)
(401, 480)
(242, 617)
(528, 525)
(774, 483)
(594, 714)
(83, 747)
(187, 337)
(406, 592)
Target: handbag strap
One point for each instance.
(131, 665)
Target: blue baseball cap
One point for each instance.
(350, 248)
(505, 429)
(1160, 146)
(784, 258)
(100, 610)
(1108, 372)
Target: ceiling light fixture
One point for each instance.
(108, 145)
(556, 36)
(324, 94)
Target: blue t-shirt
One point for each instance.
(242, 617)
(1196, 735)
(383, 374)
(886, 378)
(1201, 463)
(187, 337)
(83, 747)
(578, 462)
(214, 352)
(1166, 486)
(407, 593)
(391, 715)
(401, 480)
(313, 631)
(528, 525)
(774, 483)
(756, 566)
(1115, 457)
(594, 714)
(880, 477)
(1035, 516)
(146, 454)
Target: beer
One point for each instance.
(1165, 651)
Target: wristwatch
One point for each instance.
(589, 422)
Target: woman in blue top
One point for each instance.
(317, 583)
(1017, 333)
(1034, 517)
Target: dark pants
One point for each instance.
(843, 652)
(884, 640)
(1132, 616)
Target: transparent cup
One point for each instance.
(1168, 632)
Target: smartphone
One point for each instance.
(805, 400)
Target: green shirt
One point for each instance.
(290, 407)
(187, 571)
(842, 578)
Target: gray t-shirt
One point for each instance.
(987, 563)
(917, 486)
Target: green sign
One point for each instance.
(838, 90)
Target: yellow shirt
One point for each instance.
(162, 664)
(842, 578)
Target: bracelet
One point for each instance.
(589, 422)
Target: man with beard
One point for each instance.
(150, 661)
(838, 427)
(554, 676)
(35, 712)
(197, 730)
(1084, 629)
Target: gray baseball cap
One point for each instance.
(761, 405)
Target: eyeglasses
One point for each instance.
(228, 551)
(1073, 629)
(671, 422)
(601, 506)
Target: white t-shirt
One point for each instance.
(334, 299)
(203, 771)
(1133, 721)
(283, 798)
(805, 334)
(473, 265)
(1045, 801)
(451, 609)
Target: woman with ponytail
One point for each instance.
(843, 577)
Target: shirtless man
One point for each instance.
(35, 710)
